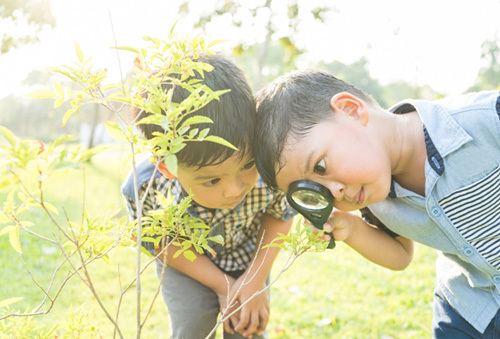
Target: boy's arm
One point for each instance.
(202, 270)
(371, 242)
(254, 315)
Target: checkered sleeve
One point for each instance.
(144, 171)
(279, 207)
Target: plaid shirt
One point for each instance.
(238, 226)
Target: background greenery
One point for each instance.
(335, 294)
(262, 61)
(332, 294)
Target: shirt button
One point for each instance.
(288, 214)
(496, 278)
(435, 211)
(468, 252)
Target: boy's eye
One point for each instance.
(320, 167)
(212, 182)
(249, 165)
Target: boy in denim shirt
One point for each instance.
(429, 171)
(228, 196)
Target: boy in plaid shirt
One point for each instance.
(230, 197)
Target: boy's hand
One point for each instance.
(254, 315)
(228, 305)
(339, 223)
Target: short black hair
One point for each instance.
(291, 106)
(233, 115)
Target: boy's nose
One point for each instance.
(234, 189)
(337, 190)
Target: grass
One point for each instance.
(335, 294)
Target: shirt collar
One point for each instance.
(442, 133)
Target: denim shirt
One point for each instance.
(462, 196)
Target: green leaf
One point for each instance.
(7, 133)
(186, 244)
(197, 119)
(219, 239)
(171, 163)
(219, 140)
(203, 133)
(89, 153)
(67, 115)
(79, 53)
(14, 240)
(127, 48)
(51, 207)
(115, 130)
(7, 229)
(176, 254)
(215, 42)
(10, 301)
(59, 89)
(189, 255)
(193, 132)
(58, 102)
(146, 252)
(172, 30)
(64, 139)
(175, 149)
(42, 94)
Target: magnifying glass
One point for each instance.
(314, 201)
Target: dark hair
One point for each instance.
(291, 106)
(233, 115)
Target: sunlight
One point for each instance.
(424, 48)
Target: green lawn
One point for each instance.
(335, 294)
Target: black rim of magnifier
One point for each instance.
(309, 185)
(311, 214)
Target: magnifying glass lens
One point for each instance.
(314, 201)
(309, 199)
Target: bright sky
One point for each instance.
(426, 42)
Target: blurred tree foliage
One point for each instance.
(39, 119)
(28, 17)
(278, 31)
(489, 75)
(272, 54)
(358, 74)
(34, 118)
(278, 53)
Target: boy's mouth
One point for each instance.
(360, 198)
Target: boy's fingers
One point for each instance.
(263, 323)
(252, 325)
(228, 327)
(243, 321)
(328, 228)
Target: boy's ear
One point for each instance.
(349, 104)
(164, 170)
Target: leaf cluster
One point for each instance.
(171, 223)
(300, 240)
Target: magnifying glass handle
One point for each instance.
(331, 244)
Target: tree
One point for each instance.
(27, 17)
(488, 77)
(358, 74)
(27, 164)
(279, 28)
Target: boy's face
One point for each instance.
(342, 155)
(220, 186)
